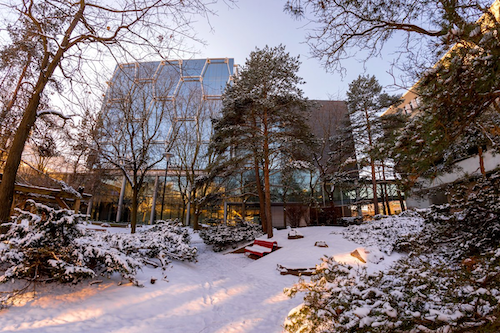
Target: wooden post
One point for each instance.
(77, 205)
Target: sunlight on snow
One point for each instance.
(346, 258)
(201, 303)
(53, 301)
(280, 297)
(239, 327)
(65, 318)
(135, 299)
(22, 299)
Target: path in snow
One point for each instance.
(221, 293)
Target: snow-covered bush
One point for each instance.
(449, 281)
(165, 241)
(52, 245)
(221, 236)
(350, 220)
(468, 226)
(385, 233)
(416, 295)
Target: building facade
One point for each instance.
(175, 100)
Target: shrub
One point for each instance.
(468, 226)
(385, 233)
(221, 236)
(165, 241)
(52, 245)
(449, 281)
(417, 295)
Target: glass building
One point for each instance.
(189, 91)
(179, 99)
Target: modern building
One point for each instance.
(309, 197)
(182, 96)
(433, 191)
(333, 189)
(188, 89)
(344, 185)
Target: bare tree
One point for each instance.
(193, 128)
(53, 41)
(329, 122)
(133, 129)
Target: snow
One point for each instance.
(222, 292)
(362, 311)
(260, 249)
(383, 234)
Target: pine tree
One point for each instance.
(365, 101)
(423, 148)
(264, 115)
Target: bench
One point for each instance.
(261, 247)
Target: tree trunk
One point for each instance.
(262, 201)
(182, 212)
(47, 68)
(196, 209)
(15, 153)
(358, 198)
(382, 196)
(400, 197)
(385, 190)
(258, 182)
(481, 161)
(196, 217)
(8, 108)
(387, 201)
(374, 187)
(331, 198)
(267, 190)
(267, 182)
(243, 210)
(284, 207)
(401, 201)
(135, 204)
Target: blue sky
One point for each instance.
(237, 31)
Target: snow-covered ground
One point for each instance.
(222, 292)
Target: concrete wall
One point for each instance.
(466, 167)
